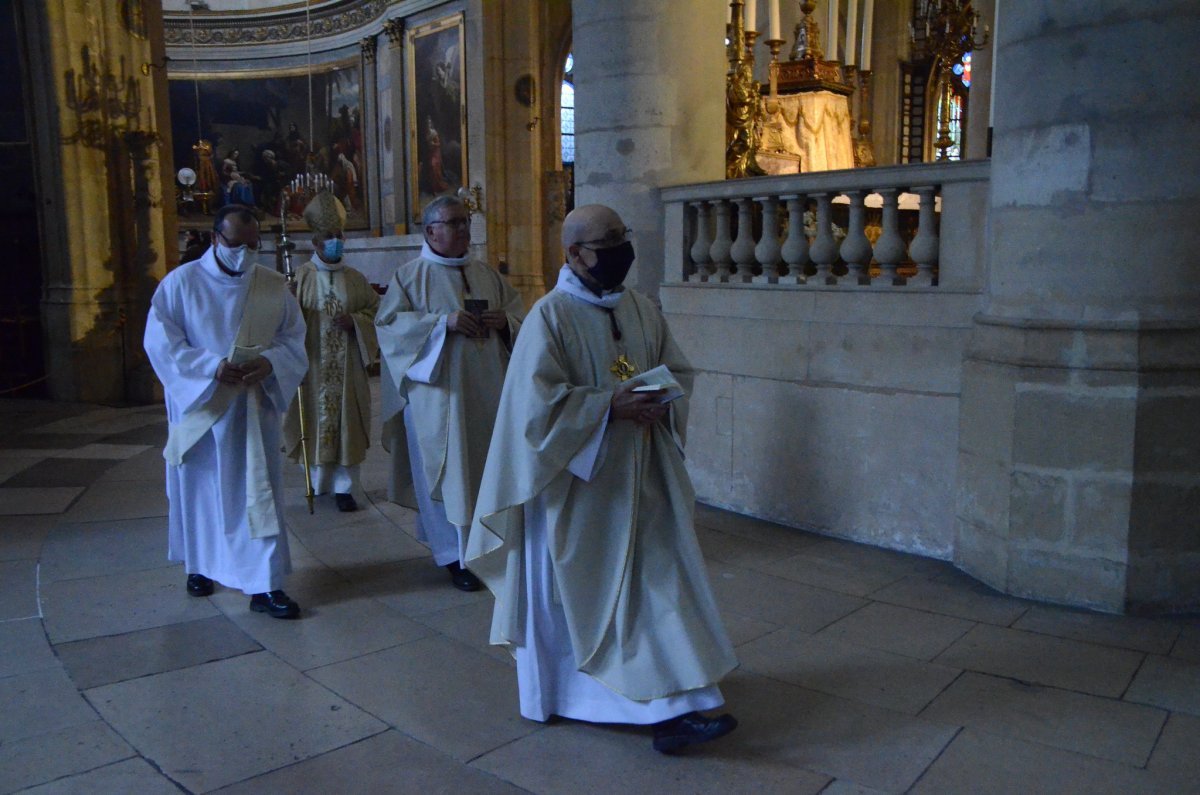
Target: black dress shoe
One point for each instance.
(690, 729)
(345, 502)
(199, 585)
(463, 579)
(275, 603)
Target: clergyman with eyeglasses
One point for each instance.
(446, 326)
(583, 527)
(226, 338)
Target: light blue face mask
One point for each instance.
(333, 248)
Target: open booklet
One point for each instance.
(658, 378)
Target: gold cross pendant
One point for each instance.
(623, 369)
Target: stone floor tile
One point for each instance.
(56, 754)
(24, 646)
(153, 433)
(843, 669)
(988, 764)
(743, 629)
(60, 472)
(1168, 683)
(900, 630)
(1176, 758)
(371, 541)
(790, 725)
(725, 548)
(1152, 635)
(333, 626)
(40, 702)
(128, 776)
(955, 596)
(10, 467)
(110, 452)
(21, 537)
(1045, 660)
(776, 600)
(856, 569)
(437, 691)
(844, 787)
(115, 658)
(1090, 725)
(18, 589)
(96, 606)
(148, 465)
(1187, 647)
(570, 757)
(132, 500)
(396, 514)
(49, 441)
(470, 624)
(387, 762)
(101, 549)
(35, 500)
(414, 587)
(752, 529)
(258, 714)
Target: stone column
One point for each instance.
(105, 199)
(369, 45)
(1079, 451)
(389, 71)
(646, 74)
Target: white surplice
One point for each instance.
(194, 318)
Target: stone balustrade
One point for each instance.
(905, 227)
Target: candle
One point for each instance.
(774, 12)
(868, 15)
(831, 30)
(851, 31)
(752, 15)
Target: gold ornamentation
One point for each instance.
(951, 31)
(368, 44)
(743, 110)
(623, 369)
(394, 28)
(234, 29)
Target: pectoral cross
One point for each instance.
(623, 369)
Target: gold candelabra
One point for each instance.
(951, 29)
(743, 110)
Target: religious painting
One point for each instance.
(437, 112)
(264, 140)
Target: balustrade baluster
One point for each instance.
(924, 249)
(856, 248)
(795, 248)
(699, 250)
(719, 252)
(743, 246)
(767, 250)
(824, 249)
(889, 249)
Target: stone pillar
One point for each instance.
(646, 74)
(1079, 453)
(369, 46)
(389, 71)
(104, 176)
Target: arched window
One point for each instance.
(567, 125)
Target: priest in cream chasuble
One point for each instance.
(446, 326)
(339, 308)
(583, 527)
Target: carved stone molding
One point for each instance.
(369, 45)
(394, 28)
(240, 30)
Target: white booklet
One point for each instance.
(660, 378)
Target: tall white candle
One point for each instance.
(868, 18)
(774, 11)
(831, 31)
(851, 31)
(752, 15)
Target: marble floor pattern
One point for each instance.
(862, 670)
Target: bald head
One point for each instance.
(589, 223)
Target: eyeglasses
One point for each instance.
(252, 246)
(608, 241)
(454, 223)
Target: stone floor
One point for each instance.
(862, 670)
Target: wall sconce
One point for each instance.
(147, 66)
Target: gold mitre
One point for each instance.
(325, 213)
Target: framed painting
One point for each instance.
(437, 112)
(251, 137)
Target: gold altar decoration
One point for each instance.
(743, 108)
(806, 68)
(951, 31)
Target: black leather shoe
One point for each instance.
(345, 502)
(199, 585)
(463, 579)
(275, 603)
(690, 729)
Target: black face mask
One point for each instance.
(612, 265)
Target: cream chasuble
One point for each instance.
(448, 383)
(626, 564)
(337, 398)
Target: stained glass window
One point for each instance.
(963, 70)
(567, 127)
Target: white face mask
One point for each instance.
(236, 259)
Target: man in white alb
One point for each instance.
(226, 339)
(583, 527)
(446, 326)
